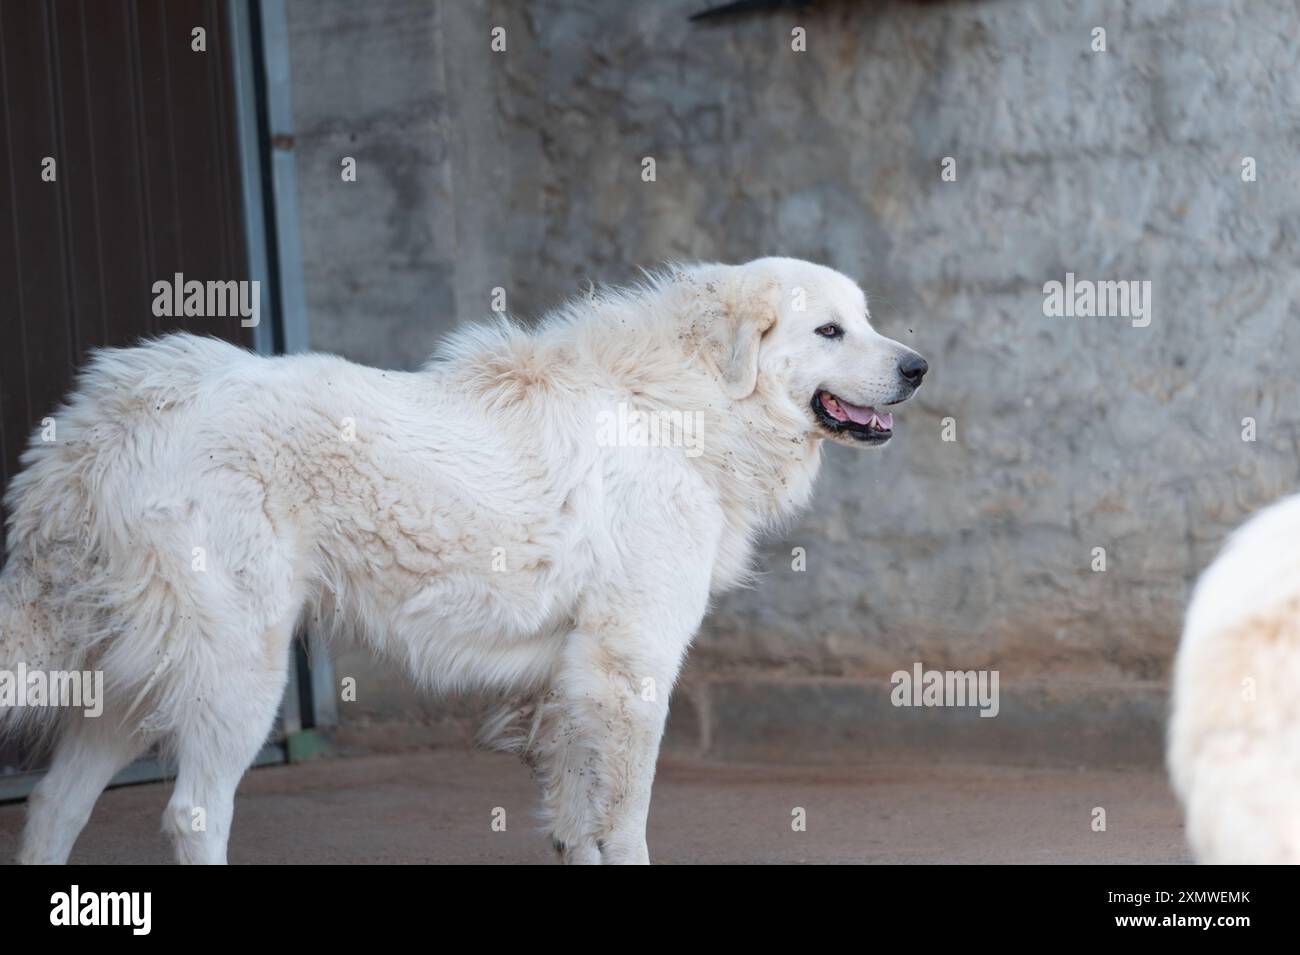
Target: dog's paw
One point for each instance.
(625, 851)
(580, 853)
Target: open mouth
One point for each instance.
(859, 422)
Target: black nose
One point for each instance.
(913, 368)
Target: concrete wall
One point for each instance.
(522, 170)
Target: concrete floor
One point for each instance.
(437, 806)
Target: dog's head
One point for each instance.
(803, 330)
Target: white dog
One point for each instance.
(541, 513)
(1234, 741)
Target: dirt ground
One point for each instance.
(439, 807)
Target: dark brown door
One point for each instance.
(141, 129)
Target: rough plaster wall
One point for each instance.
(379, 253)
(522, 170)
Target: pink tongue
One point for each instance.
(857, 414)
(867, 416)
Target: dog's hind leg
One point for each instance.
(216, 743)
(87, 756)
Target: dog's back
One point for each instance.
(1234, 745)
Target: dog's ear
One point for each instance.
(743, 308)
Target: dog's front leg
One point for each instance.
(599, 740)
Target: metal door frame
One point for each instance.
(264, 106)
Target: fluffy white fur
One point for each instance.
(464, 520)
(1234, 742)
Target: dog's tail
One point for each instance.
(1234, 740)
(28, 646)
(12, 650)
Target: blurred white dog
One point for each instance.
(1234, 742)
(540, 513)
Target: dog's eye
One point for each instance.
(830, 330)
